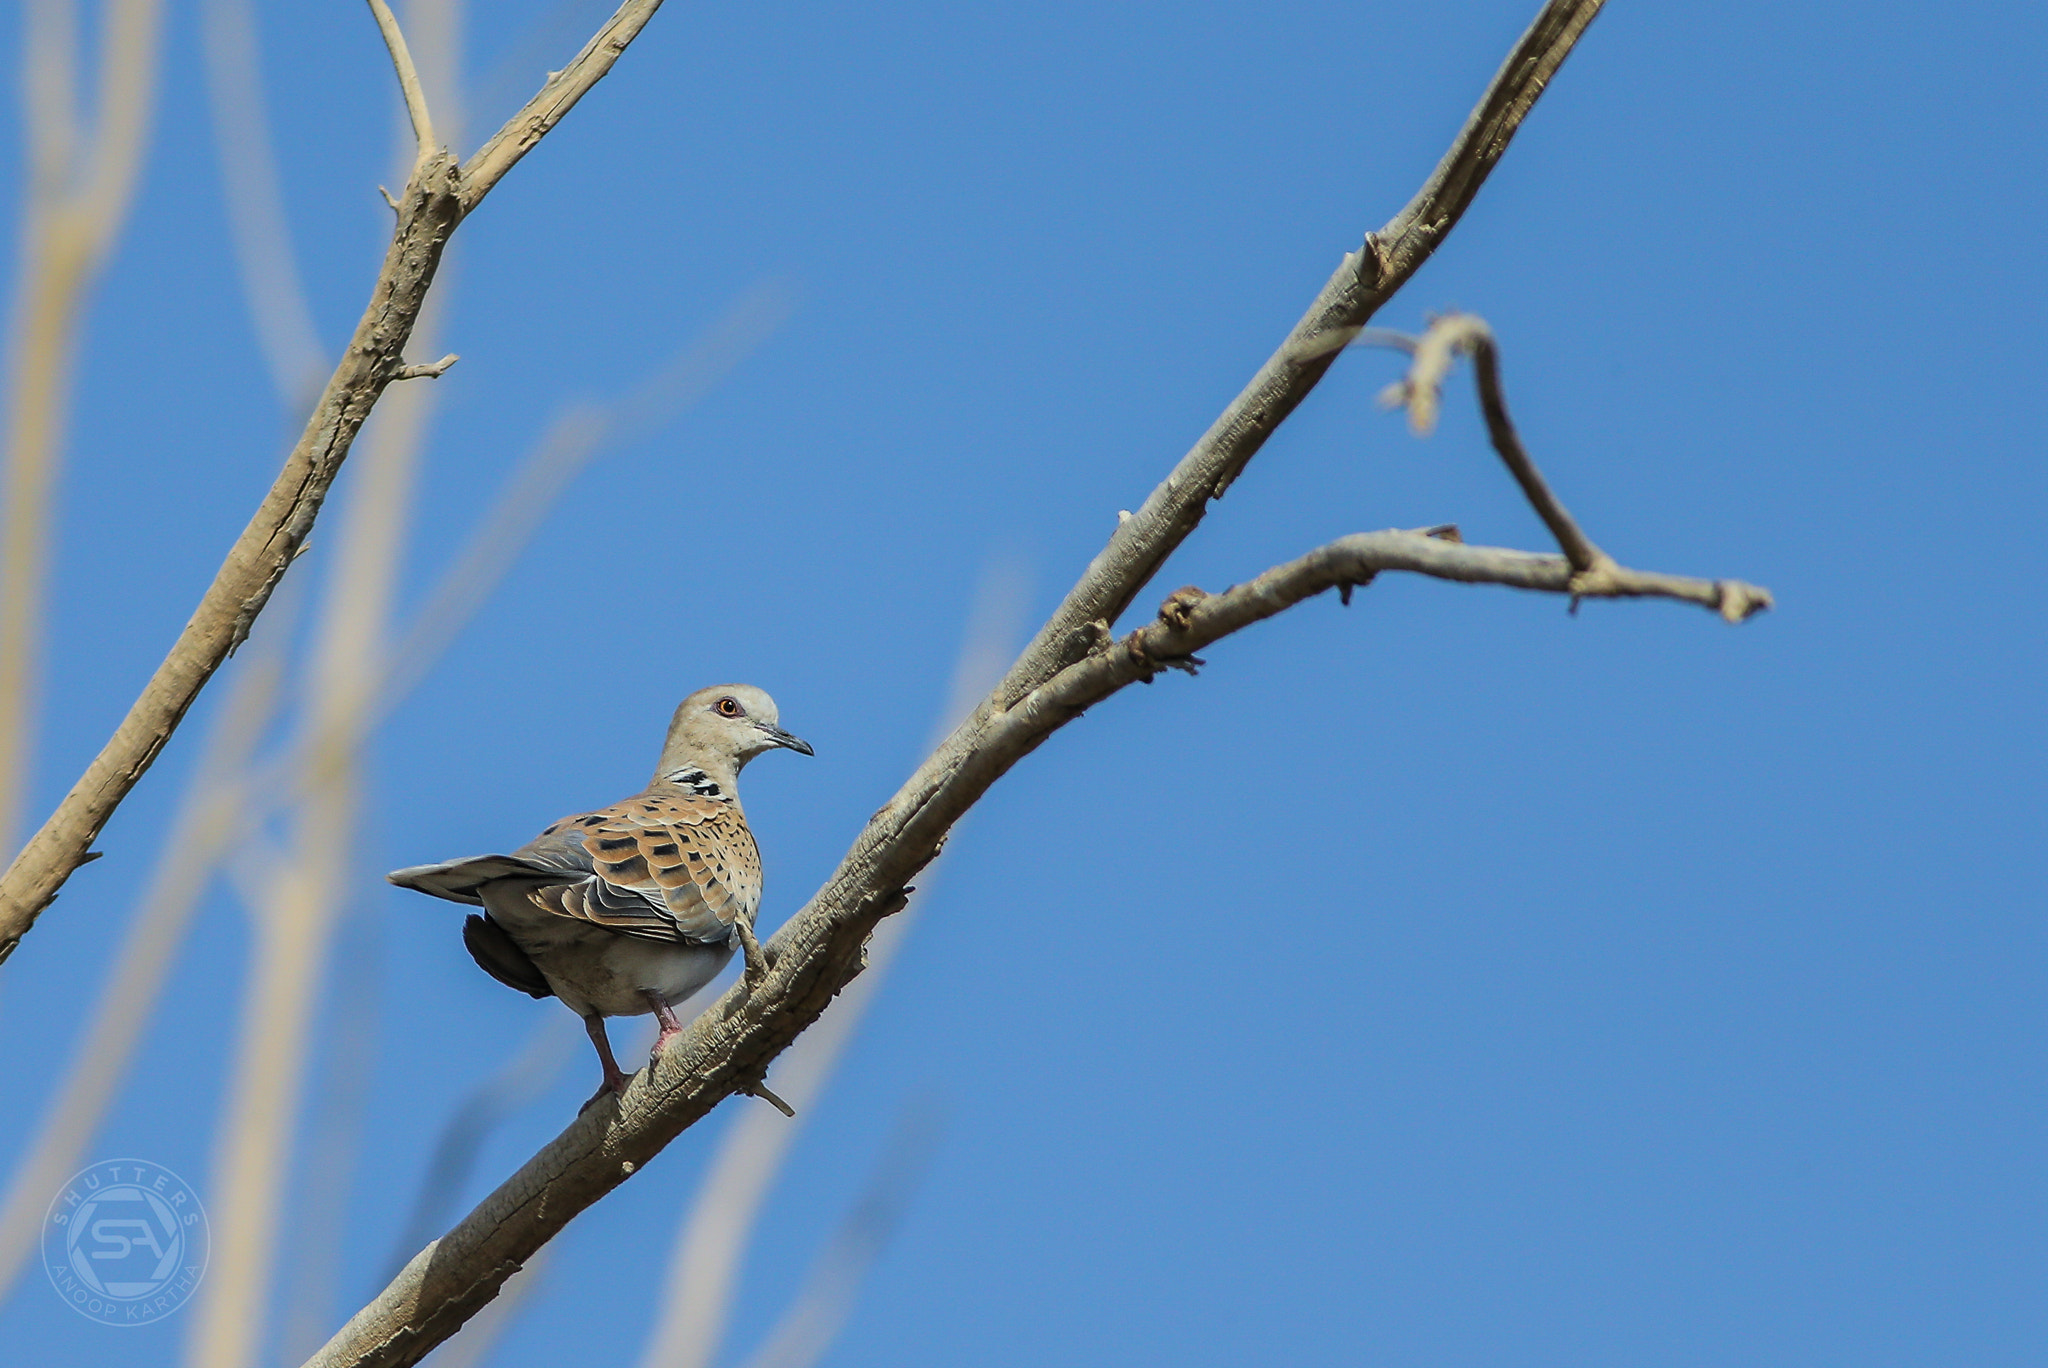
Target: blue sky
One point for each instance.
(1445, 980)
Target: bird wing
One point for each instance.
(460, 880)
(666, 866)
(498, 955)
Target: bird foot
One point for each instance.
(615, 1078)
(614, 1085)
(666, 1015)
(757, 963)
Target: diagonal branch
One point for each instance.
(729, 1048)
(1363, 281)
(553, 101)
(77, 191)
(434, 202)
(1072, 664)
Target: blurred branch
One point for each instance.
(832, 1287)
(561, 454)
(296, 911)
(229, 798)
(434, 202)
(77, 198)
(271, 284)
(208, 819)
(299, 905)
(343, 1064)
(1073, 663)
(522, 1078)
(705, 1263)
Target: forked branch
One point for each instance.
(1072, 663)
(1364, 281)
(1594, 573)
(434, 202)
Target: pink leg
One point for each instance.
(664, 1014)
(614, 1079)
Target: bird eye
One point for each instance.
(730, 707)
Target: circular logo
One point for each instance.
(125, 1242)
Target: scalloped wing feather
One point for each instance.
(664, 866)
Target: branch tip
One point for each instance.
(760, 1090)
(432, 371)
(1739, 601)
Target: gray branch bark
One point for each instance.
(1073, 663)
(434, 202)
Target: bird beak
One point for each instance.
(783, 738)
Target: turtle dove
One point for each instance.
(634, 907)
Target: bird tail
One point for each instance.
(459, 880)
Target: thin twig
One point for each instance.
(1422, 394)
(760, 1090)
(408, 80)
(76, 199)
(272, 285)
(433, 370)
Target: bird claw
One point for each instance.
(757, 963)
(614, 1085)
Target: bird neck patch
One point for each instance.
(696, 781)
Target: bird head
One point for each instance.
(717, 730)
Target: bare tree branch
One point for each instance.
(554, 100)
(272, 286)
(1073, 663)
(1363, 281)
(434, 202)
(729, 1047)
(77, 195)
(1421, 393)
(431, 370)
(209, 818)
